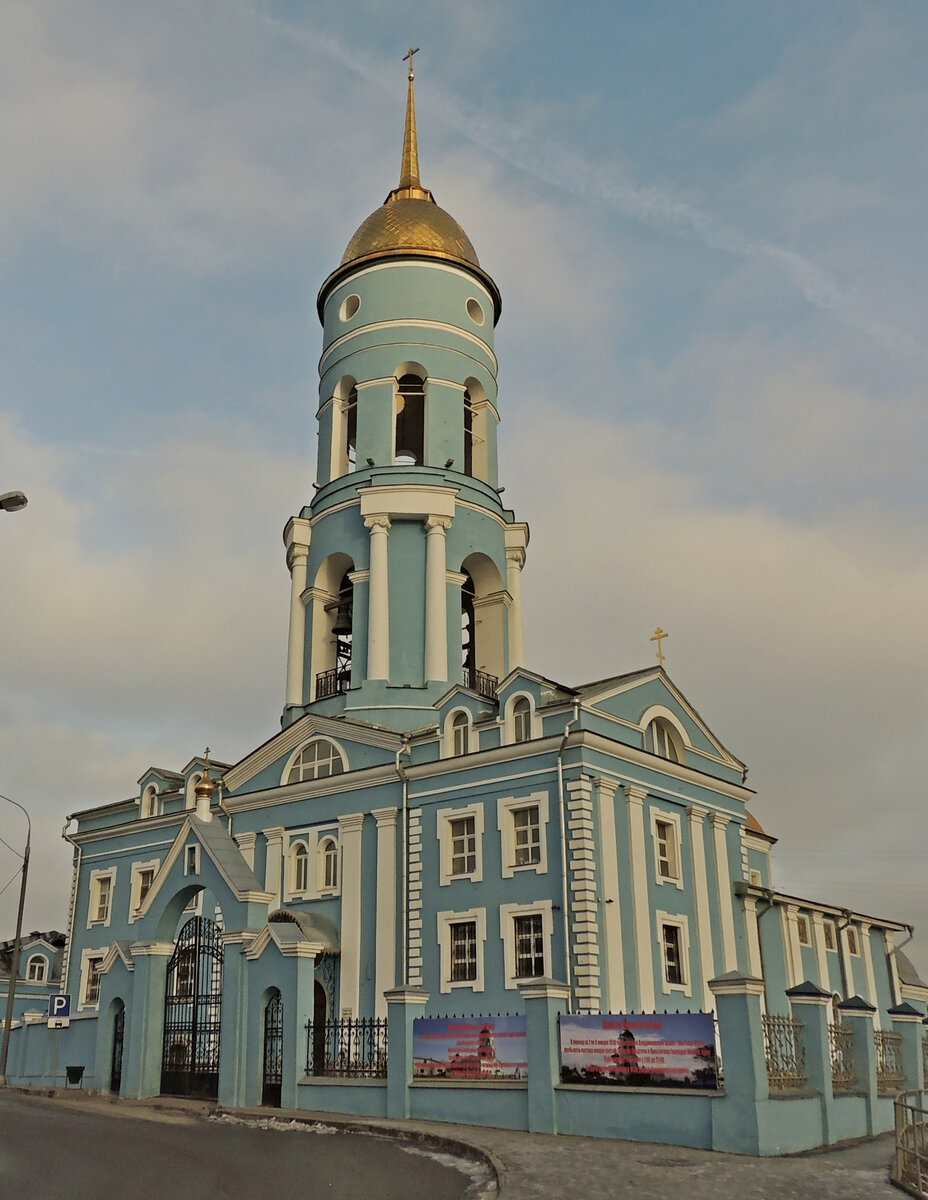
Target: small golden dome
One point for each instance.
(402, 225)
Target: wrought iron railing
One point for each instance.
(843, 1071)
(482, 683)
(347, 1049)
(890, 1073)
(910, 1163)
(785, 1053)
(331, 683)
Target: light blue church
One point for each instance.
(435, 829)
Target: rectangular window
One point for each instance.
(146, 878)
(522, 822)
(805, 937)
(192, 860)
(527, 836)
(831, 941)
(673, 959)
(101, 897)
(852, 943)
(92, 968)
(463, 951)
(529, 946)
(665, 832)
(463, 846)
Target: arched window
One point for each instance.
(460, 733)
(351, 428)
(661, 738)
(468, 434)
(37, 968)
(300, 867)
(317, 760)
(468, 630)
(149, 801)
(409, 439)
(521, 719)
(328, 864)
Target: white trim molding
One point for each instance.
(478, 916)
(506, 809)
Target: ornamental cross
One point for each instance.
(412, 73)
(658, 637)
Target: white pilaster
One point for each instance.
(350, 984)
(755, 963)
(385, 947)
(639, 864)
(378, 619)
(794, 972)
(582, 895)
(515, 560)
(726, 902)
(863, 936)
(612, 912)
(436, 599)
(821, 956)
(697, 816)
(296, 538)
(246, 843)
(274, 864)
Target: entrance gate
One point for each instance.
(192, 1013)
(273, 1051)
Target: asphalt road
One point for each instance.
(54, 1151)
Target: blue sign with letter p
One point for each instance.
(59, 1006)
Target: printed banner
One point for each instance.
(639, 1050)
(469, 1048)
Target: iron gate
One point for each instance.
(273, 1051)
(119, 1033)
(192, 1013)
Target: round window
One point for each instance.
(475, 312)
(350, 306)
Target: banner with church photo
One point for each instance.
(469, 1048)
(672, 1050)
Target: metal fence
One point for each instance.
(785, 1053)
(910, 1164)
(843, 1072)
(890, 1073)
(347, 1049)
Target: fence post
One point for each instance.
(907, 1021)
(404, 1004)
(858, 1014)
(809, 1004)
(544, 999)
(736, 1116)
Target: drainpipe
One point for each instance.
(401, 773)
(73, 906)
(563, 814)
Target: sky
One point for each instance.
(708, 226)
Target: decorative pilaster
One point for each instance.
(378, 620)
(639, 863)
(349, 830)
(697, 817)
(515, 560)
(414, 888)
(274, 864)
(385, 945)
(726, 905)
(296, 539)
(246, 843)
(821, 957)
(612, 912)
(582, 901)
(436, 599)
(867, 953)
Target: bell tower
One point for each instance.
(405, 568)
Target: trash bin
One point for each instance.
(74, 1076)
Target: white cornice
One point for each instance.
(350, 781)
(332, 353)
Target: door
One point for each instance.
(119, 1034)
(273, 1051)
(320, 1012)
(192, 1013)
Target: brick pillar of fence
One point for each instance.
(809, 1004)
(907, 1021)
(544, 1000)
(736, 1117)
(404, 1004)
(858, 1015)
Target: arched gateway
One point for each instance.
(192, 1013)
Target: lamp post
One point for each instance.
(17, 941)
(12, 501)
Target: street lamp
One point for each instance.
(12, 501)
(17, 940)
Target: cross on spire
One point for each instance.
(658, 636)
(412, 73)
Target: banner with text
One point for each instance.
(639, 1050)
(469, 1048)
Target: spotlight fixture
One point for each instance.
(370, 462)
(449, 463)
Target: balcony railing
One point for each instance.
(331, 683)
(480, 682)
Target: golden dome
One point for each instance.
(410, 225)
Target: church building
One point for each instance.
(432, 813)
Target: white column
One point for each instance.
(863, 935)
(436, 599)
(697, 818)
(274, 864)
(639, 864)
(515, 560)
(385, 949)
(726, 903)
(612, 912)
(296, 538)
(350, 837)
(378, 618)
(794, 972)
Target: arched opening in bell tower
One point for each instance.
(409, 426)
(468, 629)
(344, 427)
(476, 452)
(482, 620)
(332, 627)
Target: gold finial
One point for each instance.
(205, 787)
(410, 187)
(658, 637)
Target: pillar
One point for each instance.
(515, 560)
(144, 1025)
(296, 538)
(907, 1022)
(737, 1118)
(378, 619)
(544, 1000)
(726, 908)
(404, 1004)
(436, 599)
(810, 1004)
(274, 881)
(298, 1013)
(612, 912)
(349, 828)
(232, 1043)
(858, 1015)
(639, 869)
(696, 817)
(385, 946)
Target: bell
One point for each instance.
(342, 626)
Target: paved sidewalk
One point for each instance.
(540, 1167)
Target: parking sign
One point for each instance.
(59, 1011)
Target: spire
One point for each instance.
(410, 187)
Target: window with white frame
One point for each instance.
(327, 858)
(522, 822)
(91, 974)
(853, 945)
(526, 931)
(299, 867)
(662, 738)
(460, 843)
(313, 863)
(666, 835)
(803, 930)
(461, 938)
(37, 968)
(459, 736)
(143, 876)
(521, 716)
(192, 860)
(674, 942)
(318, 759)
(831, 938)
(150, 801)
(102, 886)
